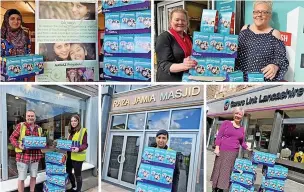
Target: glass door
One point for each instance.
(185, 146)
(123, 158)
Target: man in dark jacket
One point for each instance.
(162, 137)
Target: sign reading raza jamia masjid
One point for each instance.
(185, 92)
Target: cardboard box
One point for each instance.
(111, 66)
(209, 22)
(148, 154)
(226, 23)
(264, 158)
(143, 19)
(142, 69)
(201, 43)
(126, 67)
(112, 21)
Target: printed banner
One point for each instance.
(67, 36)
(286, 38)
(225, 5)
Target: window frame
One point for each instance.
(154, 111)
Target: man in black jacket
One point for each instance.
(162, 137)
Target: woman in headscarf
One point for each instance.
(15, 36)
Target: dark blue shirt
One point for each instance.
(256, 51)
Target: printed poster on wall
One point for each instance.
(67, 36)
(225, 5)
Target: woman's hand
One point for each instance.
(189, 63)
(55, 143)
(217, 151)
(75, 149)
(249, 149)
(270, 71)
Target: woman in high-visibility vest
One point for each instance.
(78, 154)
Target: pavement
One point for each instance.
(89, 184)
(95, 189)
(107, 187)
(290, 186)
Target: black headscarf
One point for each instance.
(19, 38)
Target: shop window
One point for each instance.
(121, 88)
(52, 118)
(292, 147)
(133, 87)
(119, 122)
(151, 141)
(186, 119)
(158, 120)
(265, 137)
(136, 121)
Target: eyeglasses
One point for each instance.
(261, 12)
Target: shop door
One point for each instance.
(185, 145)
(123, 158)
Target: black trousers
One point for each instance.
(76, 177)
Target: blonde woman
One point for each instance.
(231, 136)
(260, 46)
(173, 48)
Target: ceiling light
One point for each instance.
(30, 6)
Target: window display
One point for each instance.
(127, 41)
(292, 143)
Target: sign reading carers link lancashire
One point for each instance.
(161, 96)
(274, 97)
(288, 94)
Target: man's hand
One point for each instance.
(75, 149)
(21, 146)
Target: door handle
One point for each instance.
(119, 160)
(123, 159)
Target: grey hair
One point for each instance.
(237, 109)
(30, 110)
(268, 3)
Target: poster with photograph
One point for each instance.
(67, 36)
